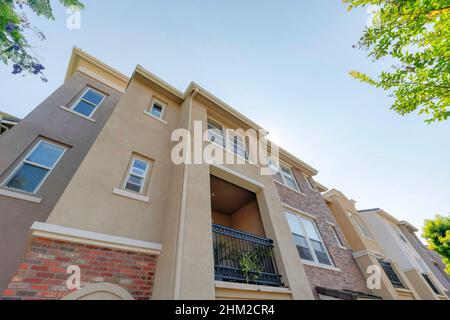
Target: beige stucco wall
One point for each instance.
(248, 219)
(179, 212)
(89, 202)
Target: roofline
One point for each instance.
(78, 53)
(179, 96)
(382, 213)
(409, 226)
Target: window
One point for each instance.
(157, 109)
(216, 133)
(336, 237)
(399, 233)
(89, 101)
(236, 144)
(360, 225)
(137, 174)
(390, 273)
(430, 283)
(307, 239)
(311, 183)
(35, 167)
(286, 177)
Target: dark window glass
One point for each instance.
(27, 178)
(84, 108)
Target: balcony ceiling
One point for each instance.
(227, 198)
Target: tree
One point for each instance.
(437, 234)
(14, 47)
(415, 34)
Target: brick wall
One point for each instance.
(42, 274)
(312, 203)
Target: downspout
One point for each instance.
(179, 254)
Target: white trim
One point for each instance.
(248, 179)
(101, 79)
(319, 265)
(298, 211)
(163, 106)
(143, 177)
(57, 232)
(250, 287)
(309, 240)
(24, 160)
(287, 187)
(20, 196)
(77, 114)
(94, 288)
(338, 239)
(80, 98)
(292, 177)
(131, 195)
(374, 254)
(146, 112)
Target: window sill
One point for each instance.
(131, 195)
(77, 114)
(287, 187)
(156, 118)
(20, 196)
(323, 266)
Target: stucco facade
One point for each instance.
(139, 225)
(366, 250)
(49, 121)
(386, 231)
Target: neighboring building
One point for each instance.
(394, 283)
(329, 264)
(139, 225)
(395, 245)
(431, 258)
(41, 154)
(7, 122)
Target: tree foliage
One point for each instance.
(14, 46)
(437, 234)
(416, 35)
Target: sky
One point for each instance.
(283, 64)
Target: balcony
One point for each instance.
(244, 258)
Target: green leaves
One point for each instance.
(437, 234)
(14, 47)
(415, 34)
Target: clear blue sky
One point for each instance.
(285, 65)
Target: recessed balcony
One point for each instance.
(242, 253)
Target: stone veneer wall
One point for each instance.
(42, 273)
(312, 203)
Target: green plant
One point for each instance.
(251, 266)
(437, 234)
(415, 35)
(14, 46)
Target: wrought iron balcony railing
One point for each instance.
(244, 258)
(389, 270)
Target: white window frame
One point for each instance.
(219, 126)
(160, 103)
(231, 145)
(144, 177)
(310, 181)
(72, 107)
(336, 237)
(34, 164)
(283, 174)
(227, 133)
(309, 241)
(360, 225)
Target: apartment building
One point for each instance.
(39, 156)
(386, 231)
(114, 205)
(7, 122)
(431, 258)
(394, 284)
